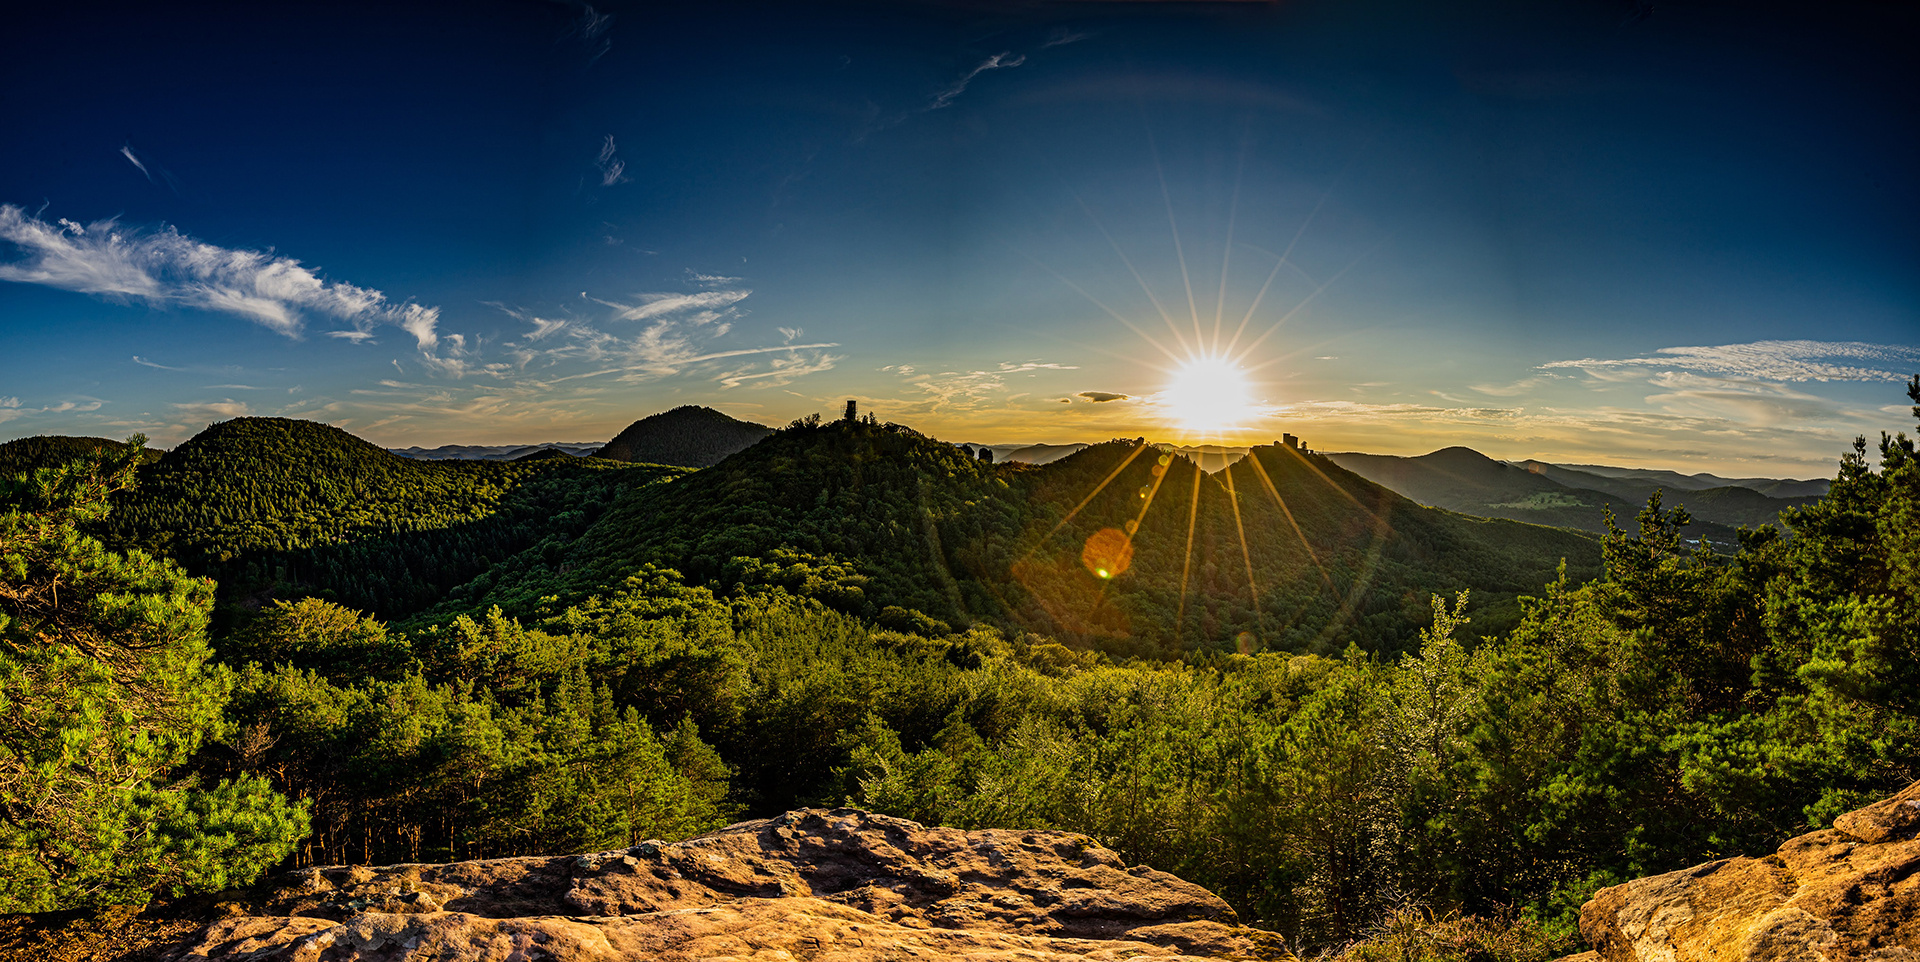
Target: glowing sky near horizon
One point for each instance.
(1565, 231)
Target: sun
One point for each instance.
(1208, 396)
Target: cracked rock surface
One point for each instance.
(841, 885)
(1850, 893)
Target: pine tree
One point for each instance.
(105, 694)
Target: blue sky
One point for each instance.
(1583, 231)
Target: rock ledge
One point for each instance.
(1850, 893)
(841, 885)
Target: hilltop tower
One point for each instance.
(850, 415)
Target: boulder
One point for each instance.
(841, 885)
(1850, 893)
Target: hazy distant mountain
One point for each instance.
(1625, 482)
(1029, 453)
(689, 437)
(1462, 479)
(495, 452)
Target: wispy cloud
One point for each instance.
(700, 307)
(781, 371)
(948, 392)
(999, 61)
(591, 29)
(542, 326)
(613, 170)
(12, 408)
(164, 267)
(1061, 36)
(127, 152)
(141, 165)
(679, 331)
(214, 410)
(1769, 361)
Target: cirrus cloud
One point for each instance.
(1768, 361)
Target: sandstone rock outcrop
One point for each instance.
(1850, 893)
(839, 885)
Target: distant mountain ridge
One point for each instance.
(1029, 453)
(690, 436)
(1600, 477)
(1462, 479)
(496, 452)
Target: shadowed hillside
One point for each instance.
(688, 437)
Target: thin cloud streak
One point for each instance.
(998, 61)
(127, 152)
(1768, 360)
(613, 170)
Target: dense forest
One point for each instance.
(1124, 547)
(1334, 719)
(270, 507)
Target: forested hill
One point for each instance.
(690, 437)
(23, 455)
(270, 506)
(881, 521)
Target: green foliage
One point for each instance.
(1416, 935)
(272, 507)
(487, 739)
(879, 521)
(106, 694)
(24, 456)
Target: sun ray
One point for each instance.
(1171, 326)
(1310, 298)
(1179, 254)
(1246, 554)
(1282, 262)
(1110, 311)
(1226, 253)
(1186, 567)
(1343, 492)
(1142, 446)
(1133, 528)
(1288, 512)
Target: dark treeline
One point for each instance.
(1679, 706)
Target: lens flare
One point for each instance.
(1107, 554)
